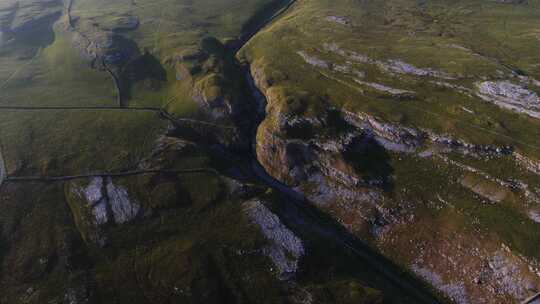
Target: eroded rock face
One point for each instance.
(313, 60)
(534, 215)
(386, 89)
(510, 96)
(211, 99)
(123, 208)
(97, 201)
(322, 168)
(284, 248)
(101, 203)
(392, 66)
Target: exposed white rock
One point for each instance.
(526, 80)
(529, 164)
(406, 139)
(392, 66)
(385, 89)
(356, 57)
(96, 200)
(467, 110)
(392, 137)
(401, 67)
(348, 69)
(393, 146)
(508, 275)
(454, 290)
(92, 192)
(285, 248)
(114, 198)
(313, 60)
(338, 19)
(534, 215)
(101, 215)
(510, 96)
(124, 209)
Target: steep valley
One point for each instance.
(269, 151)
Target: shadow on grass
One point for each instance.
(371, 161)
(146, 70)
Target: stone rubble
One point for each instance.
(507, 275)
(455, 290)
(113, 203)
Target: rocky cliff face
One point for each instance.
(325, 167)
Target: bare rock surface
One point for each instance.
(96, 200)
(316, 62)
(455, 291)
(510, 96)
(338, 19)
(386, 89)
(284, 248)
(391, 66)
(123, 208)
(505, 271)
(108, 201)
(534, 215)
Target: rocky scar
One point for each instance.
(515, 97)
(284, 248)
(101, 203)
